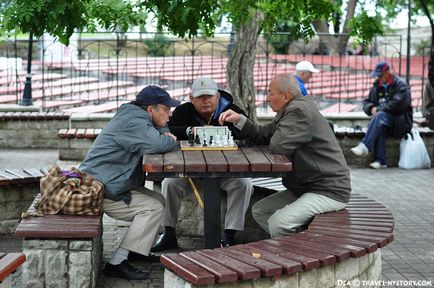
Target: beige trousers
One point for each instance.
(145, 213)
(282, 213)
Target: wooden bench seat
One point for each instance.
(9, 263)
(69, 245)
(19, 176)
(34, 116)
(331, 239)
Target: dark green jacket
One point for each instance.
(305, 136)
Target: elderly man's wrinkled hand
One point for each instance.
(229, 116)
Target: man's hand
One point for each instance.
(170, 135)
(374, 110)
(229, 116)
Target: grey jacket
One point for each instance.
(304, 135)
(115, 157)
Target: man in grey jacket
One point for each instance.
(320, 180)
(115, 159)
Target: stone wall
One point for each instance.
(15, 199)
(29, 133)
(74, 148)
(61, 263)
(348, 273)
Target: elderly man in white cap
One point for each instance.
(206, 104)
(303, 72)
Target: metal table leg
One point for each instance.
(211, 213)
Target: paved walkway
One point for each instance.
(408, 194)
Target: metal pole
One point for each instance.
(27, 95)
(408, 43)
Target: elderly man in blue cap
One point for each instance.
(389, 104)
(115, 159)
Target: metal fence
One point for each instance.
(99, 72)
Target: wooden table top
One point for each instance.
(255, 160)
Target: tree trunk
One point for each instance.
(351, 8)
(241, 61)
(427, 13)
(336, 43)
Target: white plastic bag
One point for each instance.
(413, 153)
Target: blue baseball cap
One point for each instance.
(380, 68)
(152, 95)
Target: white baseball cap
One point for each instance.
(203, 86)
(306, 66)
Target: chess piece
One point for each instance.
(204, 143)
(190, 138)
(217, 140)
(197, 139)
(230, 139)
(211, 143)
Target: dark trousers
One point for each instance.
(375, 138)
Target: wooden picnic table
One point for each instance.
(251, 162)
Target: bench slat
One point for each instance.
(243, 270)
(221, 273)
(266, 268)
(380, 238)
(186, 269)
(307, 262)
(369, 246)
(9, 263)
(34, 172)
(57, 232)
(355, 227)
(334, 218)
(369, 222)
(279, 161)
(174, 161)
(355, 251)
(215, 161)
(238, 161)
(257, 159)
(288, 266)
(324, 258)
(153, 163)
(194, 161)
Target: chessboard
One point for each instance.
(209, 138)
(185, 146)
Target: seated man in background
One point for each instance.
(320, 179)
(115, 159)
(206, 104)
(303, 73)
(389, 103)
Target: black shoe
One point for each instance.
(165, 242)
(227, 243)
(151, 258)
(125, 271)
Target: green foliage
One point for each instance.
(301, 13)
(281, 41)
(364, 28)
(422, 48)
(183, 17)
(158, 46)
(62, 18)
